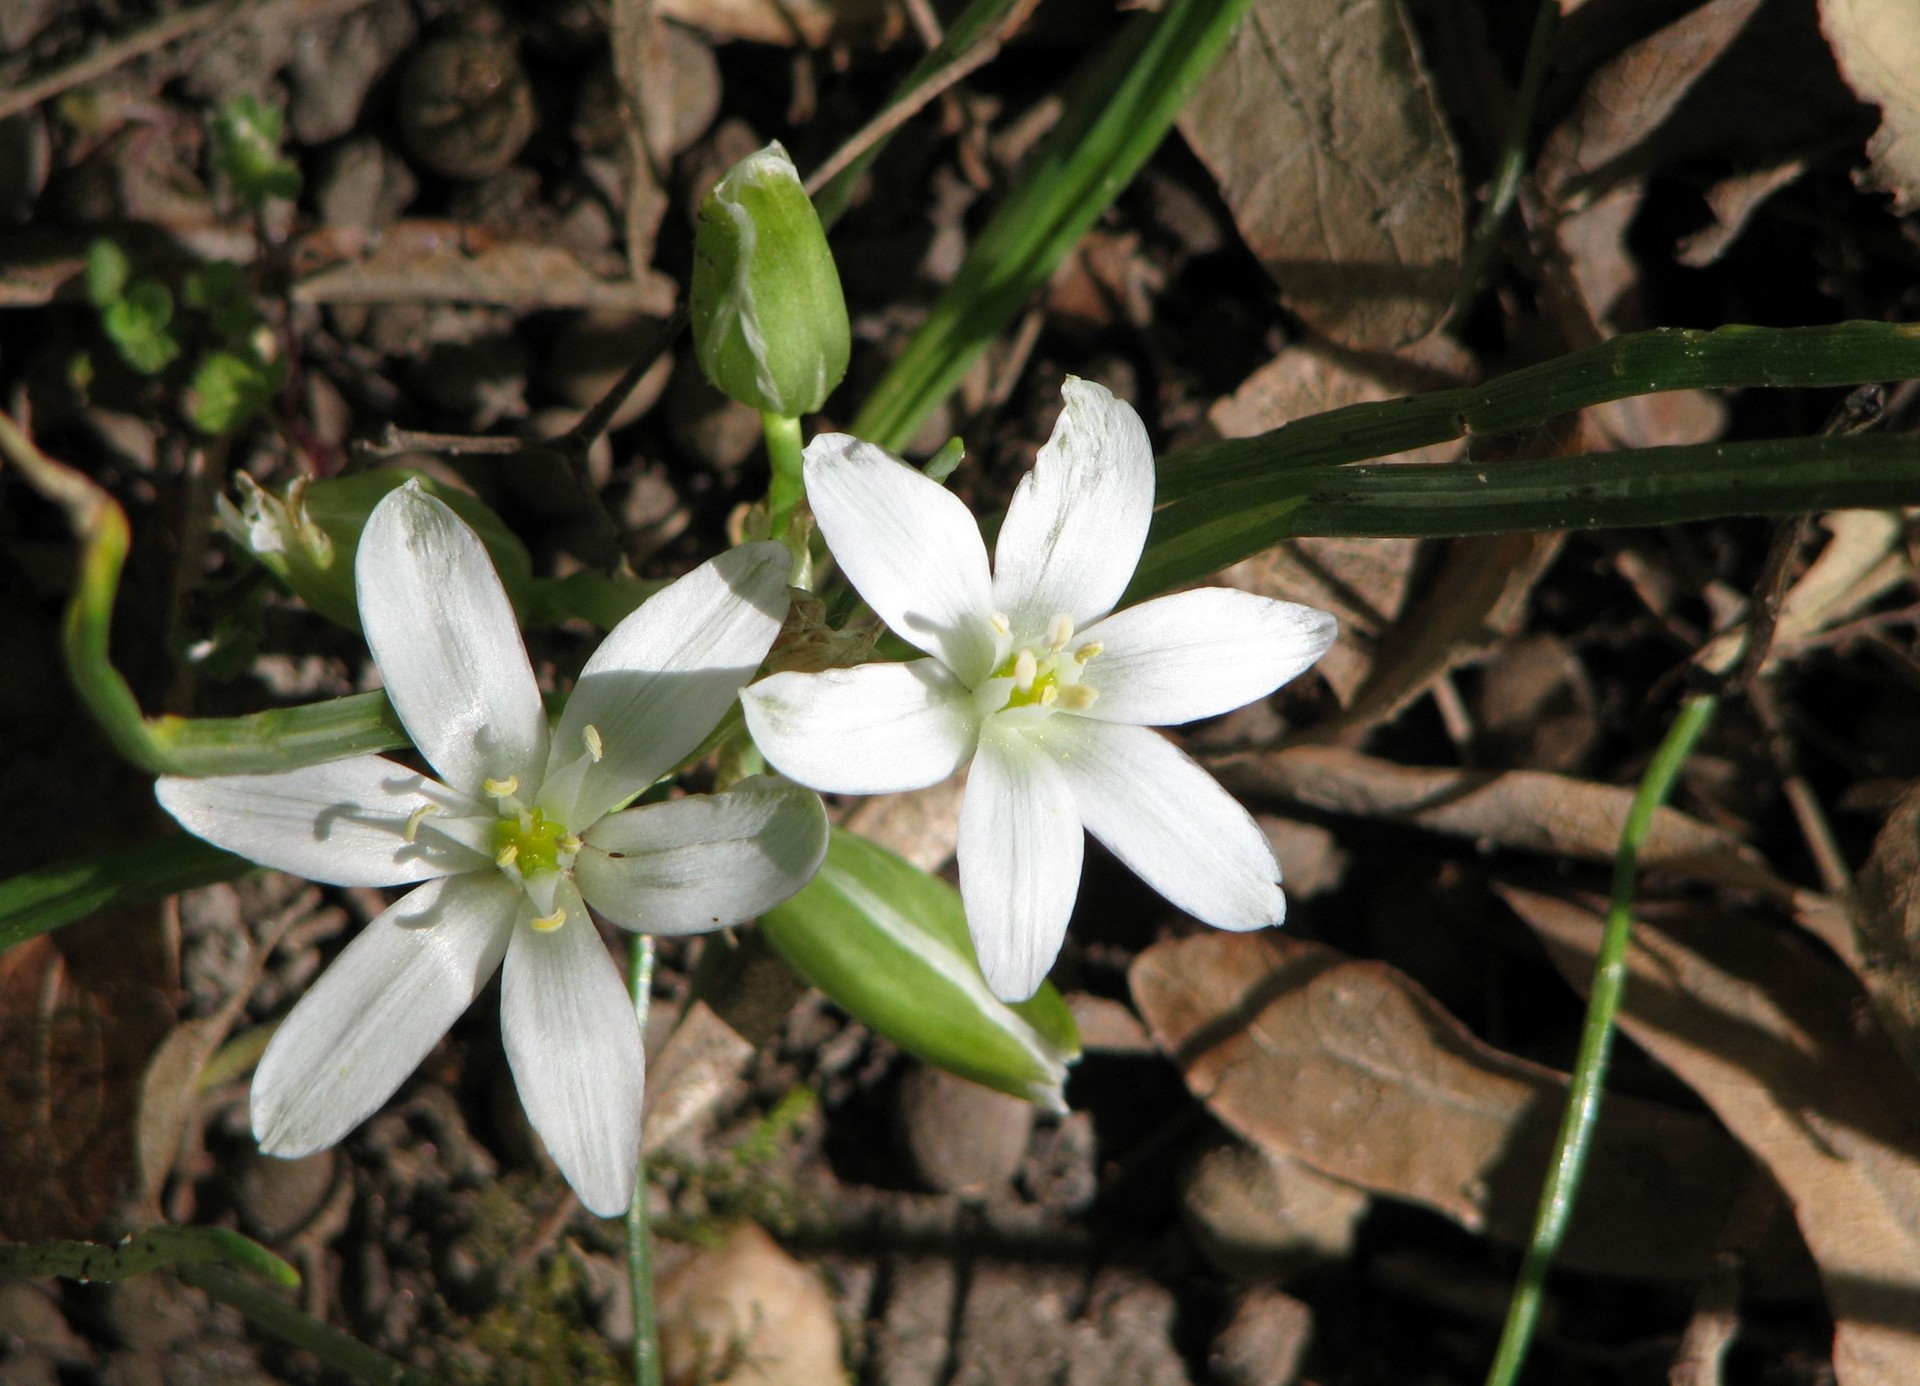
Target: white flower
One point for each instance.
(513, 840)
(1033, 682)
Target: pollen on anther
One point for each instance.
(1059, 631)
(596, 748)
(1049, 695)
(1087, 651)
(500, 789)
(414, 819)
(1077, 697)
(547, 923)
(1025, 669)
(1001, 623)
(507, 855)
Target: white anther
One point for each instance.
(547, 923)
(500, 789)
(1025, 669)
(1087, 651)
(507, 856)
(1077, 697)
(1000, 623)
(596, 749)
(1059, 631)
(414, 819)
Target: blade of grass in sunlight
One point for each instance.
(1114, 120)
(1596, 1043)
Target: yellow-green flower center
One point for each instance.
(530, 843)
(1047, 674)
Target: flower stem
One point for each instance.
(783, 451)
(646, 1329)
(1596, 1043)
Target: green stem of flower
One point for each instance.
(786, 488)
(646, 1328)
(1596, 1043)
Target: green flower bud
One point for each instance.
(769, 321)
(309, 537)
(888, 944)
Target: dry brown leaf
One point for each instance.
(746, 1314)
(1353, 1069)
(446, 262)
(1477, 599)
(807, 23)
(1526, 809)
(1877, 44)
(1762, 1026)
(1322, 131)
(1733, 201)
(80, 1016)
(1631, 96)
(1886, 927)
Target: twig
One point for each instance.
(909, 104)
(156, 35)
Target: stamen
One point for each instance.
(1049, 695)
(1059, 631)
(500, 789)
(1001, 623)
(507, 856)
(415, 818)
(1087, 651)
(1077, 697)
(1025, 669)
(596, 749)
(571, 844)
(547, 923)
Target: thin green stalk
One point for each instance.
(1512, 162)
(784, 454)
(266, 1310)
(1596, 1042)
(646, 1327)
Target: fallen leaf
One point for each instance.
(1531, 810)
(805, 23)
(1322, 131)
(746, 1314)
(1352, 1068)
(449, 262)
(1763, 1027)
(1886, 927)
(1733, 201)
(1877, 45)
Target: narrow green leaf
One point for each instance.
(1649, 486)
(1114, 121)
(1847, 353)
(54, 896)
(266, 1310)
(888, 943)
(155, 1249)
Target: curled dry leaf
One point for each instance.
(1527, 809)
(1877, 45)
(1763, 1027)
(746, 1314)
(1353, 1069)
(1323, 133)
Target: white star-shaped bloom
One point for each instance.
(520, 833)
(1031, 680)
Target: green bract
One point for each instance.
(769, 321)
(308, 538)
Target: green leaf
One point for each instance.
(221, 291)
(108, 271)
(155, 1249)
(888, 943)
(229, 388)
(52, 897)
(1114, 121)
(136, 324)
(246, 148)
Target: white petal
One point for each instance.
(1078, 520)
(1199, 654)
(574, 1046)
(343, 822)
(372, 1016)
(665, 676)
(910, 547)
(875, 729)
(442, 631)
(1020, 851)
(1170, 821)
(703, 862)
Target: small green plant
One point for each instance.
(246, 151)
(134, 313)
